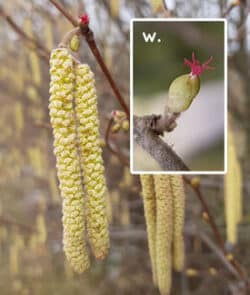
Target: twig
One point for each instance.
(89, 36)
(41, 124)
(68, 15)
(27, 38)
(122, 158)
(8, 221)
(140, 234)
(215, 249)
(148, 138)
(215, 229)
(228, 10)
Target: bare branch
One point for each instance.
(147, 136)
(42, 50)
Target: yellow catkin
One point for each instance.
(33, 242)
(91, 160)
(164, 232)
(149, 203)
(41, 228)
(65, 149)
(36, 160)
(107, 55)
(48, 34)
(127, 179)
(17, 245)
(114, 8)
(233, 194)
(125, 213)
(3, 233)
(33, 57)
(53, 187)
(21, 69)
(157, 5)
(19, 117)
(178, 221)
(14, 259)
(109, 207)
(238, 190)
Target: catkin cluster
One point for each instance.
(164, 203)
(233, 191)
(74, 118)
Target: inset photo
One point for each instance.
(178, 96)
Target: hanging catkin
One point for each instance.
(178, 221)
(33, 57)
(65, 149)
(48, 34)
(157, 5)
(233, 193)
(19, 120)
(52, 182)
(114, 8)
(91, 160)
(164, 232)
(149, 202)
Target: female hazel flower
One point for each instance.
(185, 88)
(68, 163)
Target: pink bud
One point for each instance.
(196, 67)
(84, 19)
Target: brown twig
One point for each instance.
(39, 46)
(122, 158)
(11, 222)
(215, 230)
(68, 15)
(41, 124)
(89, 36)
(228, 10)
(219, 253)
(146, 134)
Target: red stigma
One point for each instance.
(196, 67)
(84, 19)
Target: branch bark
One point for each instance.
(147, 136)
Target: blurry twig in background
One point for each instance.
(11, 222)
(41, 49)
(210, 220)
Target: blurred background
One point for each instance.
(31, 256)
(199, 136)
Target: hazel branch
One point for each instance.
(89, 37)
(211, 222)
(146, 134)
(11, 222)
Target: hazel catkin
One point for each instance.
(149, 202)
(164, 232)
(233, 193)
(157, 5)
(68, 166)
(177, 187)
(91, 160)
